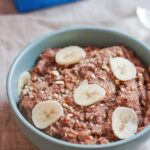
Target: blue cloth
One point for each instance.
(29, 5)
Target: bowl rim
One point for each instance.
(18, 114)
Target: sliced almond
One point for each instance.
(23, 79)
(46, 113)
(70, 55)
(88, 94)
(124, 122)
(122, 68)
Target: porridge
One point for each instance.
(86, 95)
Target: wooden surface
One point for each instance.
(7, 7)
(16, 31)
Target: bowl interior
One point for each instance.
(81, 37)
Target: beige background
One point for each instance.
(17, 30)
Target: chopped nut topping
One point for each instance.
(91, 124)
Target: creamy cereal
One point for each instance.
(89, 123)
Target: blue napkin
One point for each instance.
(29, 5)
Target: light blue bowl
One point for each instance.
(74, 36)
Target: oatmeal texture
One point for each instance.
(91, 124)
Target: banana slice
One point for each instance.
(84, 82)
(23, 79)
(88, 94)
(122, 68)
(70, 55)
(46, 113)
(124, 122)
